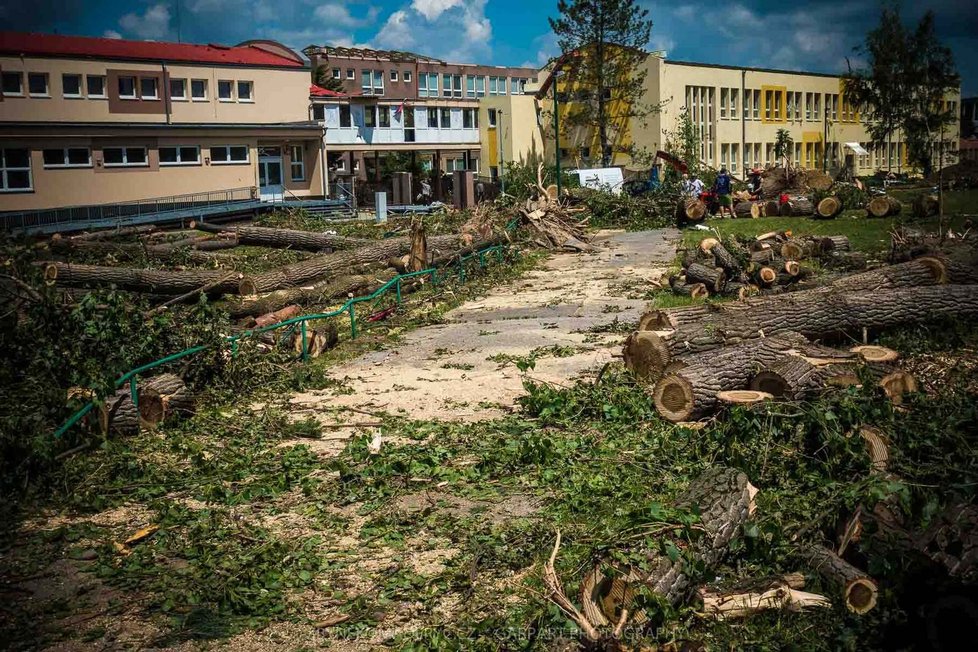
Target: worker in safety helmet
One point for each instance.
(723, 187)
(754, 183)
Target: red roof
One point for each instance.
(18, 43)
(319, 91)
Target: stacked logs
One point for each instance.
(696, 358)
(771, 263)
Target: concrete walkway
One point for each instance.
(562, 314)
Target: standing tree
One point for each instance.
(602, 43)
(782, 146)
(684, 142)
(324, 79)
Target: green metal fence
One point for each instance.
(349, 308)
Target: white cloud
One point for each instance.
(153, 24)
(432, 9)
(339, 16)
(111, 33)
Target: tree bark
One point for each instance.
(724, 499)
(859, 591)
(163, 397)
(829, 207)
(690, 210)
(712, 277)
(691, 392)
(816, 314)
(140, 280)
(338, 288)
(318, 340)
(190, 249)
(119, 415)
(796, 208)
(771, 208)
(726, 260)
(285, 238)
(883, 206)
(750, 209)
(693, 290)
(331, 265)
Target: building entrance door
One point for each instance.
(270, 174)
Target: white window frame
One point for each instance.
(125, 157)
(156, 88)
(47, 84)
(4, 170)
(229, 160)
(300, 162)
(406, 75)
(351, 73)
(64, 158)
(230, 97)
(349, 110)
(194, 98)
(95, 96)
(20, 83)
(72, 96)
(179, 162)
(491, 117)
(250, 85)
(442, 112)
(178, 98)
(135, 87)
(393, 75)
(381, 111)
(337, 73)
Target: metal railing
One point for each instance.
(349, 308)
(102, 213)
(345, 191)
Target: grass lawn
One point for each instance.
(869, 235)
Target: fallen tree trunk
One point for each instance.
(285, 238)
(338, 288)
(278, 316)
(690, 210)
(191, 249)
(119, 415)
(770, 208)
(750, 209)
(796, 208)
(318, 340)
(883, 206)
(163, 397)
(331, 265)
(859, 591)
(141, 280)
(829, 207)
(712, 277)
(693, 290)
(726, 260)
(724, 498)
(691, 392)
(816, 314)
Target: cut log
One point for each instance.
(829, 207)
(795, 250)
(730, 265)
(645, 355)
(112, 232)
(338, 288)
(792, 268)
(762, 257)
(883, 206)
(724, 499)
(897, 384)
(690, 210)
(162, 398)
(329, 266)
(140, 280)
(771, 209)
(829, 243)
(871, 353)
(672, 317)
(817, 314)
(777, 594)
(119, 415)
(797, 207)
(318, 340)
(790, 377)
(278, 316)
(707, 244)
(766, 276)
(712, 277)
(285, 238)
(693, 290)
(194, 250)
(925, 206)
(739, 291)
(876, 447)
(742, 397)
(418, 257)
(692, 392)
(750, 209)
(859, 591)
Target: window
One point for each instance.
(734, 156)
(480, 86)
(724, 155)
(229, 154)
(428, 84)
(734, 102)
(297, 163)
(724, 95)
(68, 157)
(13, 83)
(118, 157)
(319, 112)
(180, 155)
(393, 75)
(492, 117)
(127, 87)
(432, 118)
(470, 118)
(406, 76)
(385, 116)
(817, 106)
(198, 89)
(147, 88)
(469, 86)
(37, 83)
(71, 85)
(336, 73)
(585, 152)
(517, 85)
(451, 85)
(446, 118)
(15, 169)
(346, 116)
(245, 89)
(351, 73)
(366, 81)
(225, 87)
(370, 116)
(835, 107)
(497, 85)
(378, 82)
(178, 89)
(768, 104)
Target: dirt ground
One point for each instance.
(464, 369)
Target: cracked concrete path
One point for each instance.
(463, 370)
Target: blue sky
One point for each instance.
(798, 35)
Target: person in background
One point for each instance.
(723, 188)
(687, 186)
(754, 183)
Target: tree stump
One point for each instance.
(119, 415)
(883, 206)
(829, 207)
(162, 398)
